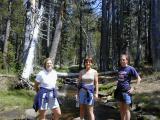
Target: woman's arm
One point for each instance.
(36, 86)
(137, 82)
(135, 87)
(96, 85)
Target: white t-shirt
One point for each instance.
(47, 79)
(88, 77)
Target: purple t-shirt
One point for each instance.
(124, 77)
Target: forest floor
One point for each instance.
(146, 104)
(147, 98)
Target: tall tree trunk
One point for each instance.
(149, 58)
(31, 3)
(80, 37)
(8, 29)
(120, 23)
(28, 66)
(29, 28)
(48, 30)
(104, 49)
(155, 33)
(114, 33)
(57, 35)
(138, 54)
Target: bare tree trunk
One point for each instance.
(48, 31)
(149, 58)
(80, 38)
(57, 35)
(28, 66)
(29, 28)
(31, 2)
(8, 29)
(104, 47)
(114, 33)
(155, 32)
(138, 54)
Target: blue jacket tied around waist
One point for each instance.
(89, 89)
(38, 97)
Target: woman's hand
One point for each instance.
(36, 86)
(131, 90)
(96, 96)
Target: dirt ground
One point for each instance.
(149, 85)
(146, 102)
(147, 97)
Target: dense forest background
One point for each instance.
(70, 30)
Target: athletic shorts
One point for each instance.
(123, 97)
(127, 98)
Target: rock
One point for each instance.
(149, 117)
(109, 97)
(12, 114)
(8, 81)
(78, 118)
(141, 105)
(111, 104)
(31, 114)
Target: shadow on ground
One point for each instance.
(148, 103)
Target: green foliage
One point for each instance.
(107, 88)
(11, 54)
(62, 69)
(3, 8)
(16, 34)
(74, 68)
(13, 65)
(22, 98)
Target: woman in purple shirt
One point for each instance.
(124, 90)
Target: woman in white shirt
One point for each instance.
(45, 86)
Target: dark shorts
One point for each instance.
(123, 97)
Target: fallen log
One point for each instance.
(75, 75)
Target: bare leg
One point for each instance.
(121, 110)
(127, 113)
(124, 111)
(42, 114)
(82, 109)
(56, 113)
(90, 112)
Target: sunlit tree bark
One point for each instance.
(57, 34)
